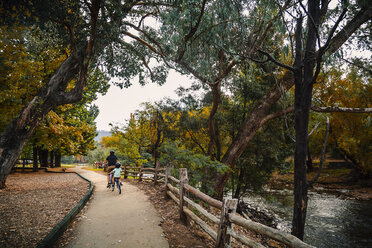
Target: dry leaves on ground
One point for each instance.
(33, 203)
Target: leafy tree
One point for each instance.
(306, 68)
(350, 133)
(320, 38)
(176, 155)
(93, 31)
(24, 70)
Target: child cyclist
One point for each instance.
(116, 175)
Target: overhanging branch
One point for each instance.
(341, 109)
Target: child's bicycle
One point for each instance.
(112, 184)
(118, 184)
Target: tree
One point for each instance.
(91, 30)
(219, 55)
(351, 133)
(37, 61)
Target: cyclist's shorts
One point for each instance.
(110, 168)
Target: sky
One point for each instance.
(117, 105)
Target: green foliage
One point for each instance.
(68, 159)
(351, 133)
(97, 155)
(174, 154)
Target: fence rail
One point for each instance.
(179, 191)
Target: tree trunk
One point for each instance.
(309, 161)
(43, 157)
(253, 122)
(211, 119)
(239, 184)
(51, 157)
(34, 159)
(57, 159)
(304, 78)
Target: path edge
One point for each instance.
(61, 226)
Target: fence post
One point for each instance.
(183, 181)
(168, 172)
(157, 165)
(140, 173)
(125, 172)
(229, 206)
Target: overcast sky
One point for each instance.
(117, 105)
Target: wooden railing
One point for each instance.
(220, 228)
(142, 173)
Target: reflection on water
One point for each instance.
(330, 222)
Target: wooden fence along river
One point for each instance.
(179, 190)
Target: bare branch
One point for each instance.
(139, 55)
(341, 109)
(358, 65)
(331, 33)
(316, 126)
(316, 109)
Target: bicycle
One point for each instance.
(118, 184)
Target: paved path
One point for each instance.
(112, 220)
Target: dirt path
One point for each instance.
(113, 220)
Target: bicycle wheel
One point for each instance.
(118, 185)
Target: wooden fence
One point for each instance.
(182, 193)
(142, 173)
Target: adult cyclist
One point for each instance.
(110, 165)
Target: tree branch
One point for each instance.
(162, 53)
(341, 109)
(271, 58)
(182, 49)
(276, 115)
(360, 18)
(192, 71)
(143, 42)
(316, 109)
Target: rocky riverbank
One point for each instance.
(339, 182)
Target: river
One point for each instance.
(331, 221)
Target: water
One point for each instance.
(330, 222)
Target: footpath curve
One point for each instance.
(112, 220)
